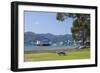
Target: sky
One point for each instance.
(46, 22)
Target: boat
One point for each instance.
(44, 42)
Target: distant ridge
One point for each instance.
(31, 37)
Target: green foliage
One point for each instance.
(81, 25)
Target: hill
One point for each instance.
(30, 37)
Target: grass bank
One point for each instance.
(51, 55)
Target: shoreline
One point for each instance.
(53, 51)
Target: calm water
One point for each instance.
(30, 47)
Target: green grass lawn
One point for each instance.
(80, 54)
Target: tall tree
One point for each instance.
(81, 25)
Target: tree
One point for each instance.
(81, 25)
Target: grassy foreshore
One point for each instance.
(45, 55)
